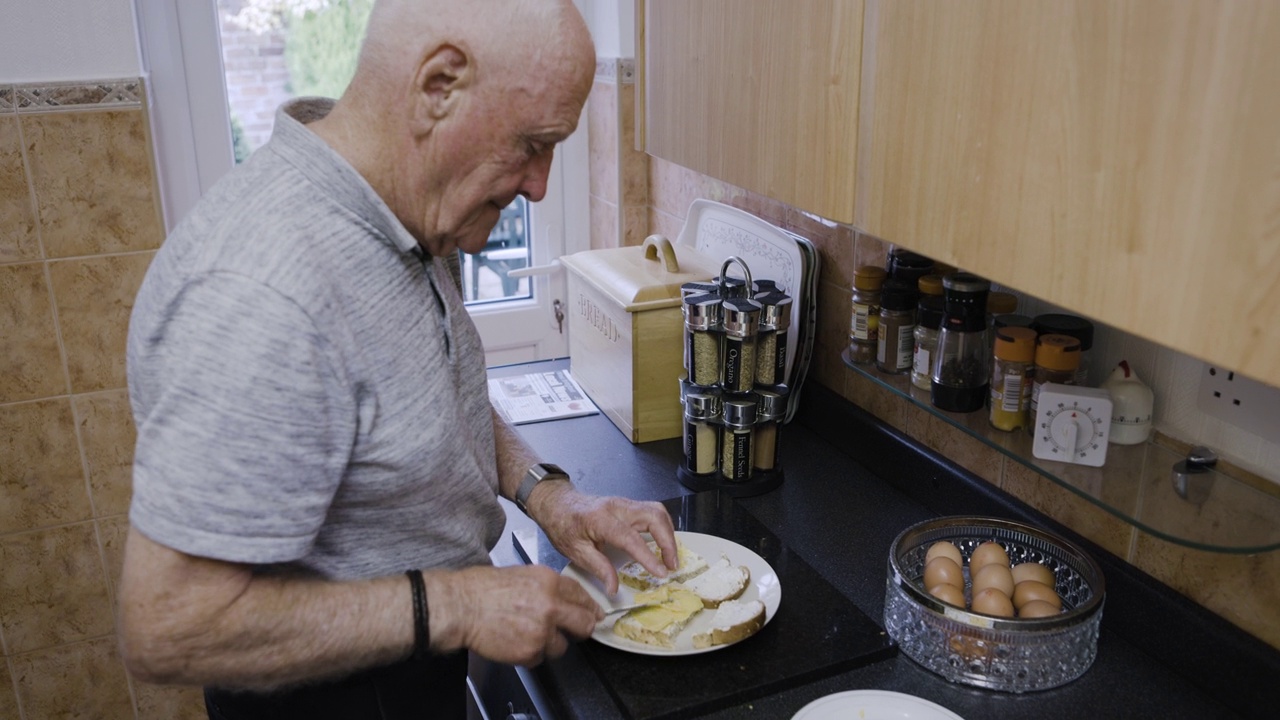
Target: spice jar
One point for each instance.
(930, 285)
(732, 287)
(1015, 350)
(771, 338)
(701, 434)
(1074, 326)
(908, 266)
(928, 318)
(863, 327)
(769, 416)
(738, 367)
(961, 367)
(1057, 359)
(698, 287)
(737, 433)
(894, 343)
(702, 338)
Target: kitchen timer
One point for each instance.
(1072, 424)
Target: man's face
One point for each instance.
(499, 145)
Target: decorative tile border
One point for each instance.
(618, 70)
(69, 96)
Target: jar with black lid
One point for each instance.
(1071, 326)
(702, 338)
(701, 432)
(961, 372)
(909, 267)
(732, 287)
(771, 341)
(928, 320)
(895, 343)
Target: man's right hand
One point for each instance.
(514, 615)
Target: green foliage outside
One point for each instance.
(321, 48)
(239, 143)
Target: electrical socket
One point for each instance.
(1240, 401)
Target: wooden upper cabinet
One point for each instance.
(1120, 158)
(758, 93)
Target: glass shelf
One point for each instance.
(1219, 513)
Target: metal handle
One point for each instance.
(552, 267)
(1200, 457)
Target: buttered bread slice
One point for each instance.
(691, 565)
(721, 582)
(734, 620)
(658, 623)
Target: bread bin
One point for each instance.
(626, 332)
(1005, 654)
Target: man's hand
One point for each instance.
(581, 526)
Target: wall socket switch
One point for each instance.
(1240, 401)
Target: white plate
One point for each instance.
(764, 587)
(873, 705)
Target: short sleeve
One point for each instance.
(245, 423)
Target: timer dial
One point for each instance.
(1072, 424)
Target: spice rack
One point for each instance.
(1220, 514)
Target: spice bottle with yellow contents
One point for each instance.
(702, 338)
(771, 339)
(769, 416)
(736, 452)
(701, 433)
(865, 321)
(1015, 350)
(741, 323)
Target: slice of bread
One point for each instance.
(691, 564)
(721, 582)
(734, 620)
(658, 624)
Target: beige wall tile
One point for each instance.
(84, 681)
(604, 224)
(1081, 515)
(969, 452)
(162, 702)
(53, 589)
(832, 334)
(8, 699)
(18, 239)
(95, 188)
(94, 298)
(835, 248)
(113, 531)
(602, 140)
(671, 188)
(876, 399)
(635, 163)
(1244, 589)
(763, 207)
(31, 364)
(41, 476)
(108, 436)
(635, 225)
(665, 223)
(868, 250)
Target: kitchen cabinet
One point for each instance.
(1120, 159)
(760, 94)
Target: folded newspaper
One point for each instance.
(535, 397)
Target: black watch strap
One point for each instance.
(535, 475)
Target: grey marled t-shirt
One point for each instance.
(309, 393)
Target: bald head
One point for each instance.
(456, 107)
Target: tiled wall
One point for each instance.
(79, 223)
(1243, 589)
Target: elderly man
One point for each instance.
(317, 467)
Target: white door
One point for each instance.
(192, 77)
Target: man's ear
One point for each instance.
(442, 77)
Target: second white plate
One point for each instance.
(764, 587)
(873, 705)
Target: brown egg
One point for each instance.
(992, 575)
(987, 553)
(1030, 590)
(1033, 571)
(944, 549)
(993, 602)
(948, 594)
(943, 571)
(1037, 609)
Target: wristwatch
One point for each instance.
(535, 475)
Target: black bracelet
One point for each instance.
(421, 626)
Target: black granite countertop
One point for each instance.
(851, 485)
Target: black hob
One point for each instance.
(816, 632)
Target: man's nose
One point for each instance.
(534, 186)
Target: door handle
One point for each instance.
(550, 268)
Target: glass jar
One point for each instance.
(769, 416)
(930, 284)
(771, 339)
(1057, 359)
(1073, 326)
(701, 433)
(928, 318)
(1015, 350)
(702, 338)
(894, 344)
(741, 319)
(961, 369)
(737, 433)
(865, 322)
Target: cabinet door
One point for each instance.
(1117, 157)
(758, 93)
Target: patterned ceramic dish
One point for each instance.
(1006, 654)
